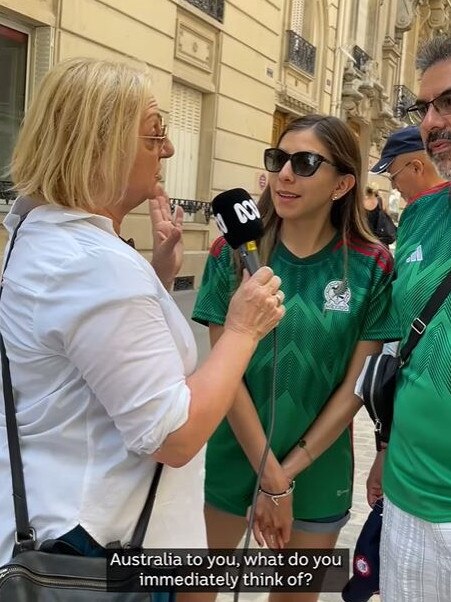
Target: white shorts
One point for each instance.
(415, 558)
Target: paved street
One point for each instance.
(364, 454)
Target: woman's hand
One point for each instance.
(256, 307)
(167, 237)
(273, 523)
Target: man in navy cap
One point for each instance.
(415, 552)
(405, 161)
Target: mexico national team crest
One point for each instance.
(337, 295)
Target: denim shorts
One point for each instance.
(330, 524)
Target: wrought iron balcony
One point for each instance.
(7, 196)
(301, 53)
(214, 8)
(192, 207)
(361, 58)
(403, 98)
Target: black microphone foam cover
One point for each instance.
(237, 216)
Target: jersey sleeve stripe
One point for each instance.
(216, 247)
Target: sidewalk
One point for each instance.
(364, 450)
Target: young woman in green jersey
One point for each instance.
(335, 277)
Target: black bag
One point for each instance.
(36, 576)
(379, 382)
(378, 390)
(385, 228)
(39, 576)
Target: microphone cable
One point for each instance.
(269, 434)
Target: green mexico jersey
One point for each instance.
(417, 472)
(325, 317)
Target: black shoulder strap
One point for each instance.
(25, 536)
(144, 518)
(419, 324)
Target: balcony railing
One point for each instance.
(191, 207)
(301, 53)
(361, 58)
(7, 196)
(214, 8)
(403, 98)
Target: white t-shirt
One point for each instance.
(98, 354)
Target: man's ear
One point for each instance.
(418, 166)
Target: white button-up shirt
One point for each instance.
(98, 353)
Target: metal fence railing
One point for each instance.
(301, 53)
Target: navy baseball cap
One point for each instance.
(406, 140)
(364, 582)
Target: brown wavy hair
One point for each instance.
(348, 214)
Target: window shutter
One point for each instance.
(44, 43)
(184, 132)
(297, 16)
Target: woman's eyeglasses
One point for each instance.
(159, 138)
(303, 163)
(441, 103)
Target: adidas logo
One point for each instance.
(417, 255)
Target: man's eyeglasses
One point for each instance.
(303, 163)
(393, 176)
(160, 138)
(441, 103)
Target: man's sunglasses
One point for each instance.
(303, 163)
(441, 103)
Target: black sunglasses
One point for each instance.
(441, 103)
(303, 163)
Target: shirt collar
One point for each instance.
(52, 214)
(428, 191)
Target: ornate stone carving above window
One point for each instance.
(364, 100)
(405, 15)
(296, 93)
(288, 100)
(194, 47)
(434, 16)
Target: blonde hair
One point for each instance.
(79, 138)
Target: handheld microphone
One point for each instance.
(238, 218)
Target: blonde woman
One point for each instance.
(103, 364)
(336, 280)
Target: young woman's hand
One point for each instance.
(273, 523)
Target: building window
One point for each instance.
(14, 49)
(297, 17)
(184, 132)
(301, 51)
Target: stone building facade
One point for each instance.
(228, 75)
